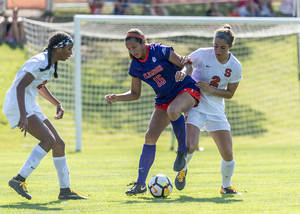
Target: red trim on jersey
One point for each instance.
(144, 60)
(193, 92)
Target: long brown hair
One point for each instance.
(138, 35)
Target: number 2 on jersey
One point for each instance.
(217, 79)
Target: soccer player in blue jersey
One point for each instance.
(159, 66)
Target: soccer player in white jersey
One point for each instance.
(217, 73)
(22, 111)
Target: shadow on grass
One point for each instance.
(224, 199)
(33, 206)
(14, 45)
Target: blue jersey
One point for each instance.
(159, 73)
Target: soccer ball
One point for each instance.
(160, 186)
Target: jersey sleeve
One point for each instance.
(162, 51)
(132, 68)
(237, 74)
(33, 66)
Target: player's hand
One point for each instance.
(179, 76)
(59, 112)
(110, 98)
(204, 86)
(185, 59)
(23, 124)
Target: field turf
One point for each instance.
(267, 173)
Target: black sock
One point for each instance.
(19, 178)
(64, 191)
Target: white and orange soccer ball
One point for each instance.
(160, 185)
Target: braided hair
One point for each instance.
(56, 39)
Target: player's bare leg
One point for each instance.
(180, 104)
(37, 129)
(62, 169)
(223, 141)
(192, 133)
(158, 122)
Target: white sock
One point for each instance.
(32, 161)
(62, 170)
(188, 159)
(227, 168)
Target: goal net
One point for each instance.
(266, 103)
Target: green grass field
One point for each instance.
(267, 172)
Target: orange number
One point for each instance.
(159, 80)
(215, 82)
(42, 85)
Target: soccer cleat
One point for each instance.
(180, 161)
(137, 188)
(73, 195)
(229, 190)
(19, 187)
(180, 180)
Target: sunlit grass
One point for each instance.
(267, 165)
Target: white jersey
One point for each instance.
(208, 68)
(32, 66)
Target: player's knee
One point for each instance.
(60, 144)
(191, 146)
(150, 138)
(50, 141)
(227, 155)
(173, 113)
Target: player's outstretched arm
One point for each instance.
(133, 94)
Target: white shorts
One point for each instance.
(207, 122)
(13, 116)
